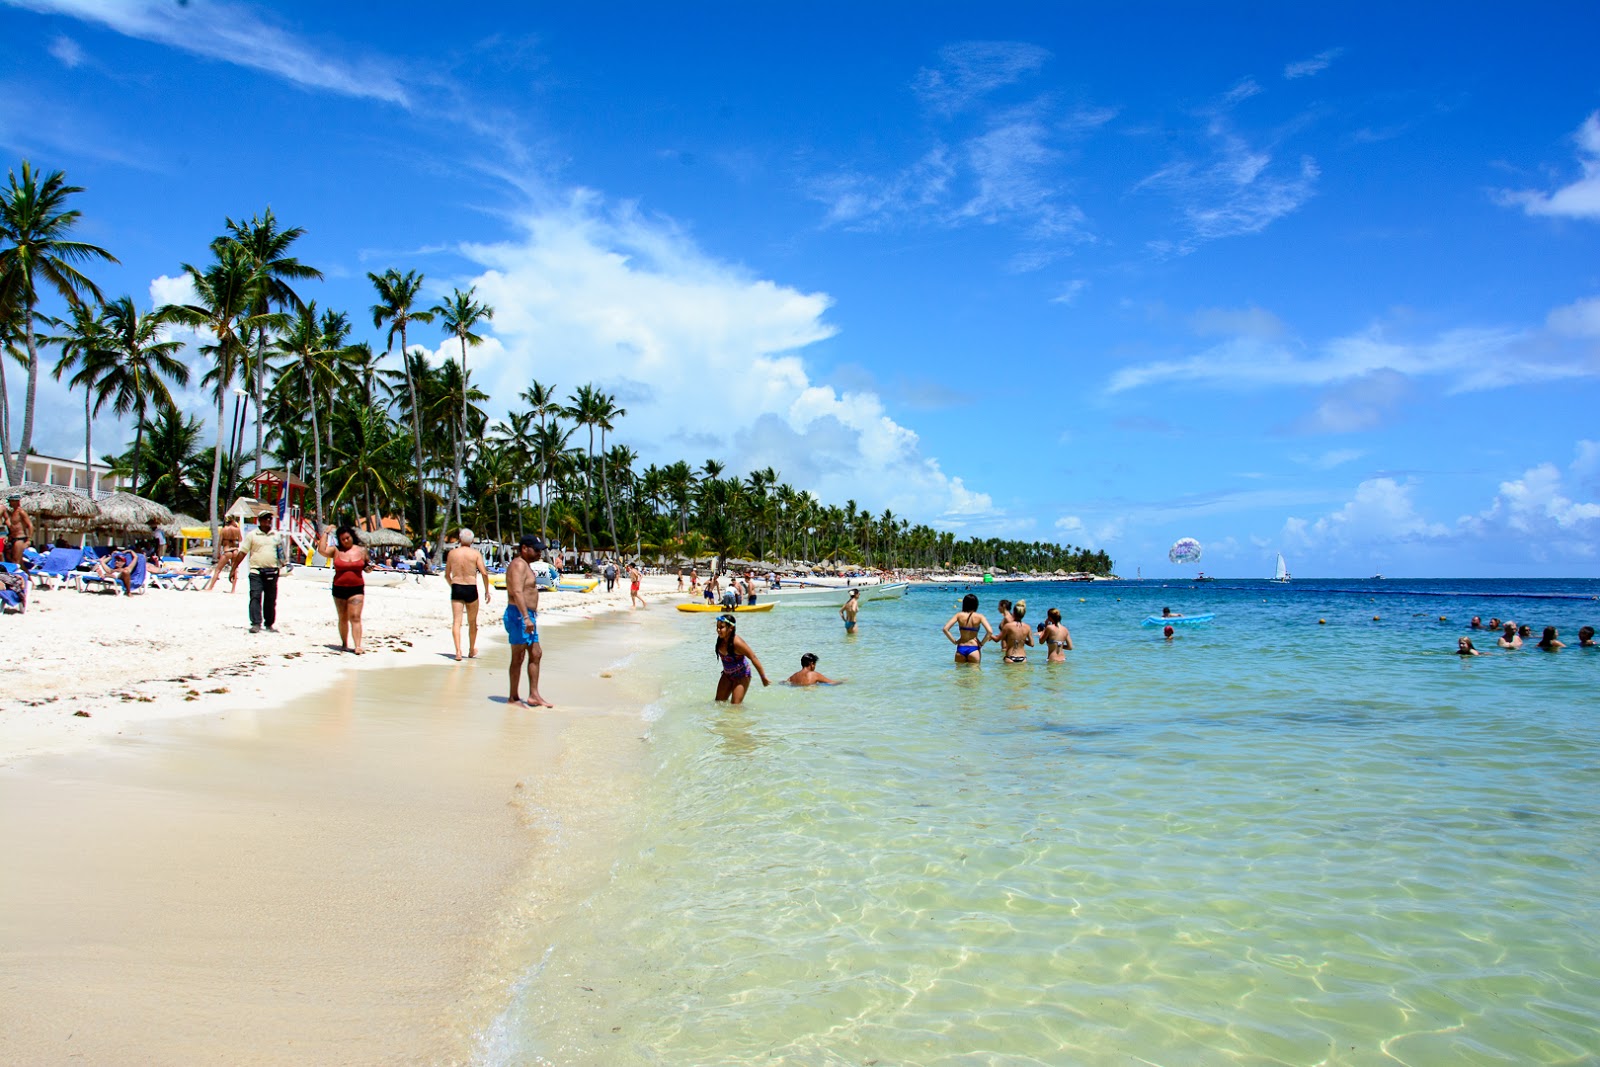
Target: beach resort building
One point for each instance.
(69, 474)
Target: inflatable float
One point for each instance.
(719, 609)
(1178, 620)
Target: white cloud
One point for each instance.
(1578, 319)
(593, 294)
(1235, 189)
(169, 290)
(970, 70)
(1334, 457)
(1470, 358)
(1075, 531)
(1537, 509)
(1318, 63)
(1242, 322)
(1381, 512)
(1070, 292)
(231, 33)
(1579, 200)
(67, 52)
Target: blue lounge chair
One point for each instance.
(56, 567)
(14, 588)
(136, 579)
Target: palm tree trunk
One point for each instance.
(605, 487)
(88, 444)
(544, 511)
(5, 421)
(138, 449)
(216, 465)
(316, 450)
(261, 341)
(588, 478)
(416, 437)
(25, 444)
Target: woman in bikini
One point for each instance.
(969, 646)
(736, 658)
(1056, 637)
(1016, 635)
(349, 586)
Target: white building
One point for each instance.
(68, 474)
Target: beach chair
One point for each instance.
(137, 580)
(176, 579)
(14, 584)
(57, 567)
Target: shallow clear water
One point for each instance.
(1270, 841)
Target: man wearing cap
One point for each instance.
(521, 622)
(19, 528)
(260, 548)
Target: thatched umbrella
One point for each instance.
(124, 511)
(51, 502)
(384, 539)
(181, 522)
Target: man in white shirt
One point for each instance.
(260, 548)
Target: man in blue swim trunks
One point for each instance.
(848, 611)
(521, 622)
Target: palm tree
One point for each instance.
(35, 253)
(144, 363)
(459, 315)
(606, 411)
(549, 451)
(171, 458)
(85, 348)
(226, 289)
(266, 247)
(396, 294)
(314, 348)
(585, 408)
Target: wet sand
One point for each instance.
(353, 878)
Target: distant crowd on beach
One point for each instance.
(1513, 636)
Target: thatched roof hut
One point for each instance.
(125, 511)
(51, 502)
(384, 539)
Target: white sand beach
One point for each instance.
(258, 850)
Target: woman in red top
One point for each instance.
(349, 587)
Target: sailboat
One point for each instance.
(1282, 574)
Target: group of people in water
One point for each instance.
(1513, 636)
(972, 631)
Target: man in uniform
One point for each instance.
(521, 622)
(260, 548)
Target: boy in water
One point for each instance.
(808, 673)
(848, 611)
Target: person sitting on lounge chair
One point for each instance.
(125, 566)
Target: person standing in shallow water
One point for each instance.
(521, 623)
(736, 657)
(1056, 637)
(849, 610)
(969, 624)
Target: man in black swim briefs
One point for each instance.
(463, 568)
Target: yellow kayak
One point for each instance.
(718, 608)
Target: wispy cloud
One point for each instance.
(232, 33)
(1318, 63)
(1580, 199)
(67, 52)
(970, 70)
(1235, 187)
(1070, 292)
(1472, 358)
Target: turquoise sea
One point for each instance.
(1307, 833)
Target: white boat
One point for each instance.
(1282, 574)
(826, 597)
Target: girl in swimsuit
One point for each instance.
(1057, 638)
(736, 658)
(1015, 635)
(969, 646)
(349, 587)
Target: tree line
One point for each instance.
(388, 433)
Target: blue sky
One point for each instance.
(1321, 283)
